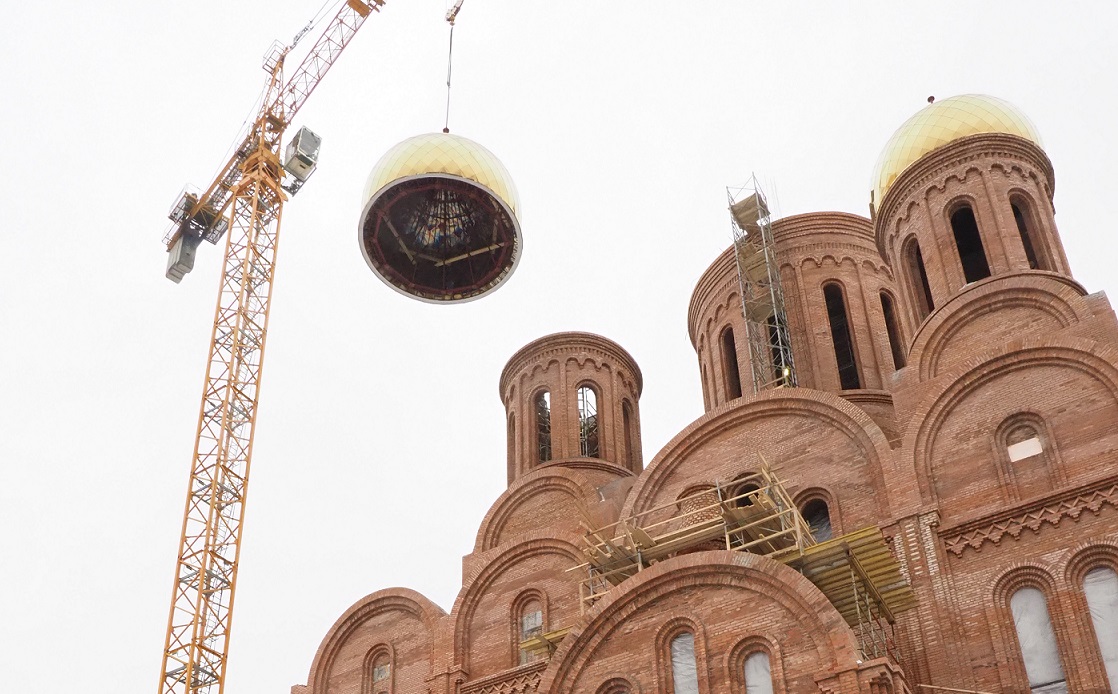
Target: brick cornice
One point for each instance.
(1032, 515)
(560, 345)
(934, 167)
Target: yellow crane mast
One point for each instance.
(244, 201)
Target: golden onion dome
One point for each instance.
(942, 122)
(443, 153)
(440, 219)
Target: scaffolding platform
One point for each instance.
(857, 572)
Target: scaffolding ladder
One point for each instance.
(770, 347)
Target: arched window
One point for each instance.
(1038, 641)
(1036, 261)
(529, 623)
(543, 426)
(758, 674)
(969, 244)
(627, 425)
(378, 675)
(818, 518)
(840, 337)
(730, 364)
(918, 279)
(892, 331)
(1101, 588)
(685, 674)
(512, 438)
(588, 422)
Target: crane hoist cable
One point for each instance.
(451, 15)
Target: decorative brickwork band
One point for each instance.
(523, 680)
(1050, 510)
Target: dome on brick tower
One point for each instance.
(942, 122)
(439, 220)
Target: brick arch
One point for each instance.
(1056, 301)
(1027, 575)
(480, 582)
(1091, 360)
(347, 629)
(1090, 555)
(546, 479)
(825, 639)
(652, 488)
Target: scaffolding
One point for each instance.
(770, 347)
(856, 572)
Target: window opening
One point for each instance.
(969, 244)
(818, 518)
(543, 426)
(892, 331)
(685, 675)
(730, 364)
(918, 278)
(1037, 641)
(1024, 449)
(531, 626)
(627, 425)
(840, 337)
(1101, 588)
(743, 495)
(588, 422)
(758, 674)
(382, 674)
(1026, 238)
(512, 438)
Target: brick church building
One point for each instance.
(929, 504)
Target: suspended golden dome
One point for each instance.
(439, 221)
(942, 122)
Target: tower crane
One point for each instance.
(242, 203)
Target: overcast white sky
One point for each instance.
(380, 441)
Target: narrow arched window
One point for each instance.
(381, 675)
(627, 425)
(1101, 588)
(1036, 262)
(745, 494)
(1038, 641)
(818, 518)
(685, 674)
(543, 426)
(512, 438)
(969, 244)
(840, 337)
(730, 364)
(892, 331)
(918, 279)
(588, 422)
(758, 674)
(529, 625)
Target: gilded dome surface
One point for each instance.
(443, 153)
(942, 122)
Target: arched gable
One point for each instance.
(552, 496)
(951, 442)
(814, 638)
(487, 596)
(996, 310)
(810, 438)
(401, 617)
